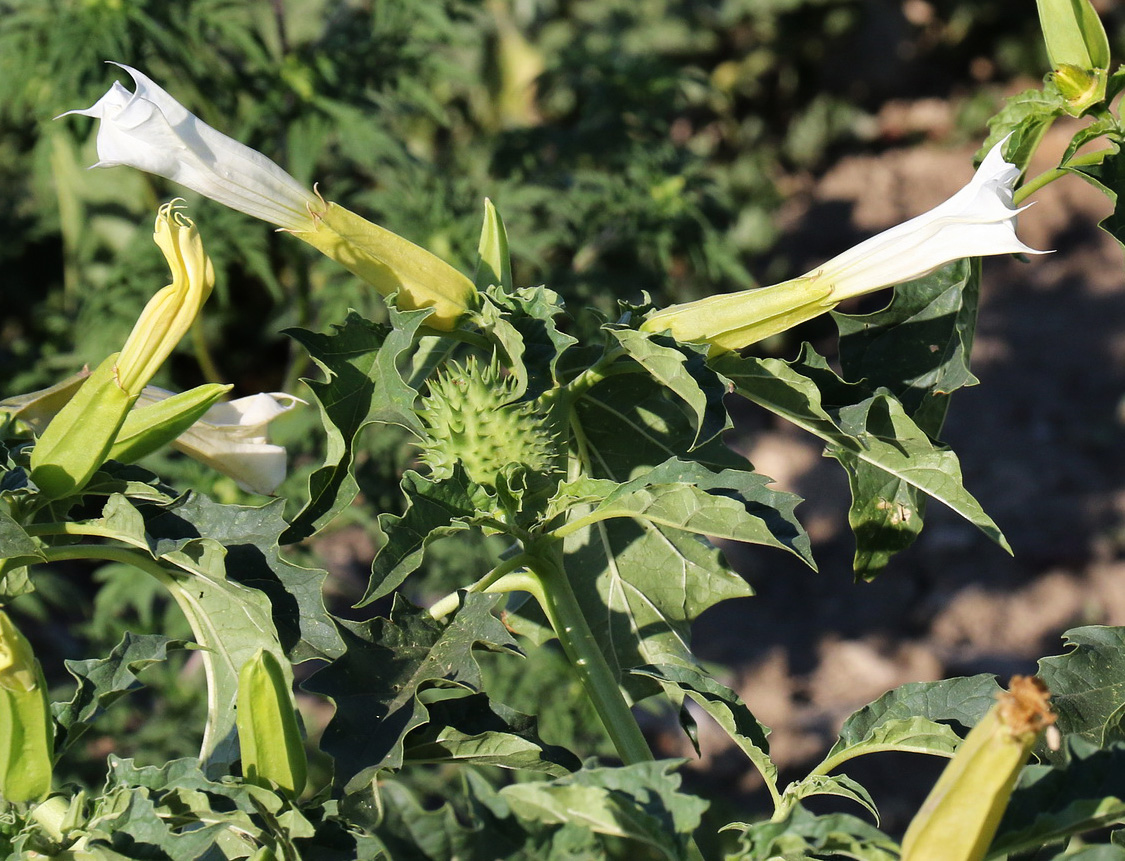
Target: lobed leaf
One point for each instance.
(375, 684)
(1087, 685)
(363, 384)
(874, 429)
(638, 802)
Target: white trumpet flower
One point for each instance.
(231, 438)
(151, 131)
(977, 221)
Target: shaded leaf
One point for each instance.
(639, 802)
(871, 428)
(475, 730)
(363, 385)
(250, 536)
(1087, 685)
(725, 706)
(918, 348)
(684, 371)
(376, 682)
(1050, 804)
(833, 784)
(434, 509)
(102, 681)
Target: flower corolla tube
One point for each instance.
(977, 221)
(151, 131)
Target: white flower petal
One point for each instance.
(151, 131)
(231, 438)
(977, 221)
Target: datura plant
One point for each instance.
(591, 479)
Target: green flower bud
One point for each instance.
(1074, 35)
(962, 812)
(27, 732)
(80, 436)
(273, 752)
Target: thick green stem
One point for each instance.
(546, 580)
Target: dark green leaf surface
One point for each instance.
(474, 730)
(874, 429)
(375, 683)
(434, 510)
(1087, 685)
(638, 802)
(101, 681)
(918, 348)
(363, 384)
(1051, 804)
(253, 558)
(684, 371)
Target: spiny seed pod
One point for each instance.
(472, 420)
(962, 812)
(268, 735)
(27, 733)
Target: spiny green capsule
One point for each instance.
(273, 752)
(962, 812)
(472, 418)
(27, 733)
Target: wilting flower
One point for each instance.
(170, 313)
(151, 131)
(231, 438)
(78, 439)
(979, 220)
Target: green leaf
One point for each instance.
(725, 706)
(16, 545)
(102, 681)
(1050, 804)
(364, 384)
(522, 323)
(805, 836)
(474, 730)
(833, 784)
(684, 371)
(376, 682)
(907, 719)
(918, 348)
(684, 495)
(638, 802)
(250, 536)
(874, 429)
(1087, 685)
(1026, 117)
(630, 423)
(434, 509)
(230, 621)
(1109, 177)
